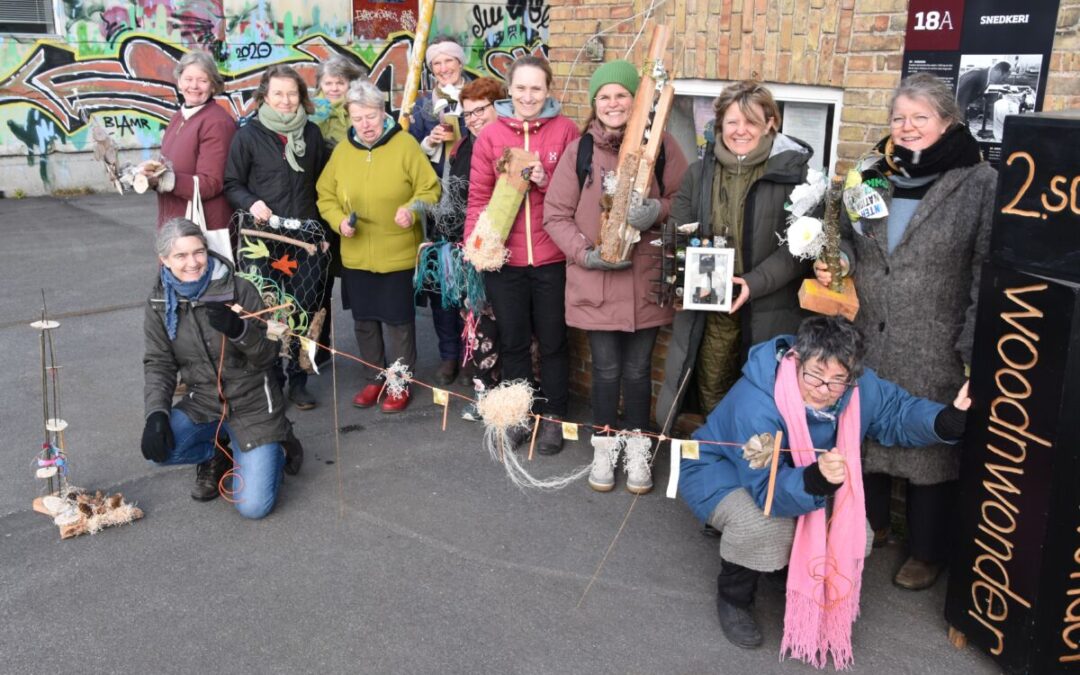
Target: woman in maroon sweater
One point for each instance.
(196, 143)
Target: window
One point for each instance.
(811, 114)
(30, 17)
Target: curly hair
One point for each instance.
(483, 89)
(831, 337)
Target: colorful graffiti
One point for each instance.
(117, 61)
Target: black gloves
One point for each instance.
(157, 437)
(815, 484)
(593, 261)
(949, 423)
(224, 320)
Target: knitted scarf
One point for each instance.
(825, 569)
(192, 290)
(289, 126)
(955, 149)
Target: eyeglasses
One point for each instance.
(475, 112)
(617, 98)
(917, 121)
(816, 382)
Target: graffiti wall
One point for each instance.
(113, 61)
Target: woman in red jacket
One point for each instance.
(527, 293)
(613, 302)
(196, 143)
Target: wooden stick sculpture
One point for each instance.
(416, 62)
(840, 297)
(637, 155)
(484, 247)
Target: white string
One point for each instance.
(653, 6)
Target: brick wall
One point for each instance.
(852, 45)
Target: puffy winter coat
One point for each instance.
(620, 300)
(917, 305)
(257, 170)
(198, 147)
(255, 405)
(889, 414)
(772, 274)
(374, 183)
(546, 137)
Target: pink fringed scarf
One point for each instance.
(825, 570)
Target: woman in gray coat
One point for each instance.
(737, 195)
(233, 399)
(917, 276)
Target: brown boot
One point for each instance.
(916, 575)
(447, 371)
(881, 537)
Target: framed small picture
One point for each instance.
(707, 283)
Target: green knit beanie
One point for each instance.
(614, 72)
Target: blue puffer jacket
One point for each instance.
(890, 415)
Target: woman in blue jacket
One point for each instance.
(725, 491)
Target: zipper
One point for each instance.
(528, 211)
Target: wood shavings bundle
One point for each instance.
(502, 408)
(758, 450)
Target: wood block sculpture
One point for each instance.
(839, 298)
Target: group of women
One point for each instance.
(371, 184)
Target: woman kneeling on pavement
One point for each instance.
(813, 388)
(612, 301)
(370, 193)
(227, 363)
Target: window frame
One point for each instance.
(54, 31)
(783, 93)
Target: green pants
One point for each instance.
(718, 359)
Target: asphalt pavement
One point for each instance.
(400, 548)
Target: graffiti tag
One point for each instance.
(253, 50)
(126, 125)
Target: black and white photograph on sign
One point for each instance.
(707, 284)
(991, 86)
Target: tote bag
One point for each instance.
(218, 240)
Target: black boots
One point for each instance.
(294, 453)
(735, 587)
(208, 475)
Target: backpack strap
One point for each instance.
(584, 163)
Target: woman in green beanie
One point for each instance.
(613, 302)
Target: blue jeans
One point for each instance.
(256, 472)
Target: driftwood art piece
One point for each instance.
(839, 298)
(637, 155)
(484, 247)
(416, 62)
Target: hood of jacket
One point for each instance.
(387, 134)
(505, 109)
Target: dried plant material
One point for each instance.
(759, 450)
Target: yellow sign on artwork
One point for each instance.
(690, 450)
(441, 396)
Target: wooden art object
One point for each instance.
(839, 298)
(484, 247)
(637, 155)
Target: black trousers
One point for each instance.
(927, 511)
(528, 301)
(622, 363)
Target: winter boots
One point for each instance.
(606, 451)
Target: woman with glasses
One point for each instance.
(917, 269)
(737, 195)
(811, 386)
(613, 302)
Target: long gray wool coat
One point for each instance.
(917, 306)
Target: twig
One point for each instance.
(310, 248)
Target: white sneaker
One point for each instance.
(636, 465)
(605, 456)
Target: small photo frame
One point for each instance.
(707, 282)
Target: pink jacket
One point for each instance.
(546, 136)
(622, 300)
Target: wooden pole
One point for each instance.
(416, 62)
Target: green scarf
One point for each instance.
(291, 127)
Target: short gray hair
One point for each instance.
(831, 337)
(365, 94)
(205, 63)
(173, 229)
(931, 89)
(338, 66)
